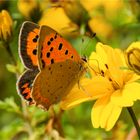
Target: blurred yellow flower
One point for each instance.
(26, 7)
(111, 84)
(107, 16)
(75, 11)
(57, 19)
(110, 7)
(101, 27)
(6, 23)
(133, 57)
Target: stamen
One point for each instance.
(106, 66)
(102, 73)
(110, 79)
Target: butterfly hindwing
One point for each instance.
(55, 81)
(28, 38)
(25, 83)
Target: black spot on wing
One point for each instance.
(49, 43)
(51, 49)
(48, 54)
(60, 46)
(72, 56)
(51, 39)
(34, 40)
(52, 61)
(34, 51)
(66, 52)
(43, 63)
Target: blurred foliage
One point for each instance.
(116, 23)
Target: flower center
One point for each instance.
(106, 73)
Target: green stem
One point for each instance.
(132, 114)
(8, 49)
(11, 56)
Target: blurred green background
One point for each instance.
(116, 23)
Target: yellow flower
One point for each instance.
(101, 27)
(53, 15)
(5, 25)
(27, 7)
(133, 57)
(110, 8)
(75, 11)
(112, 84)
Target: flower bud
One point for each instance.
(133, 57)
(30, 9)
(75, 11)
(6, 23)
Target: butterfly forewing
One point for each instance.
(53, 48)
(28, 38)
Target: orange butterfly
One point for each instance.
(52, 65)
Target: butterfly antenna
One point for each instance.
(90, 37)
(96, 72)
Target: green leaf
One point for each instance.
(9, 105)
(11, 68)
(13, 130)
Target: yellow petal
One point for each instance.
(51, 15)
(134, 77)
(8, 19)
(132, 56)
(105, 114)
(132, 90)
(76, 96)
(118, 99)
(114, 65)
(98, 59)
(126, 96)
(100, 26)
(97, 111)
(115, 113)
(91, 89)
(5, 25)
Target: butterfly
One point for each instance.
(52, 65)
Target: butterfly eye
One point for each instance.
(84, 59)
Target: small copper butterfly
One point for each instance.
(52, 65)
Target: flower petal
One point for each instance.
(90, 89)
(104, 114)
(126, 96)
(97, 111)
(98, 59)
(76, 96)
(116, 111)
